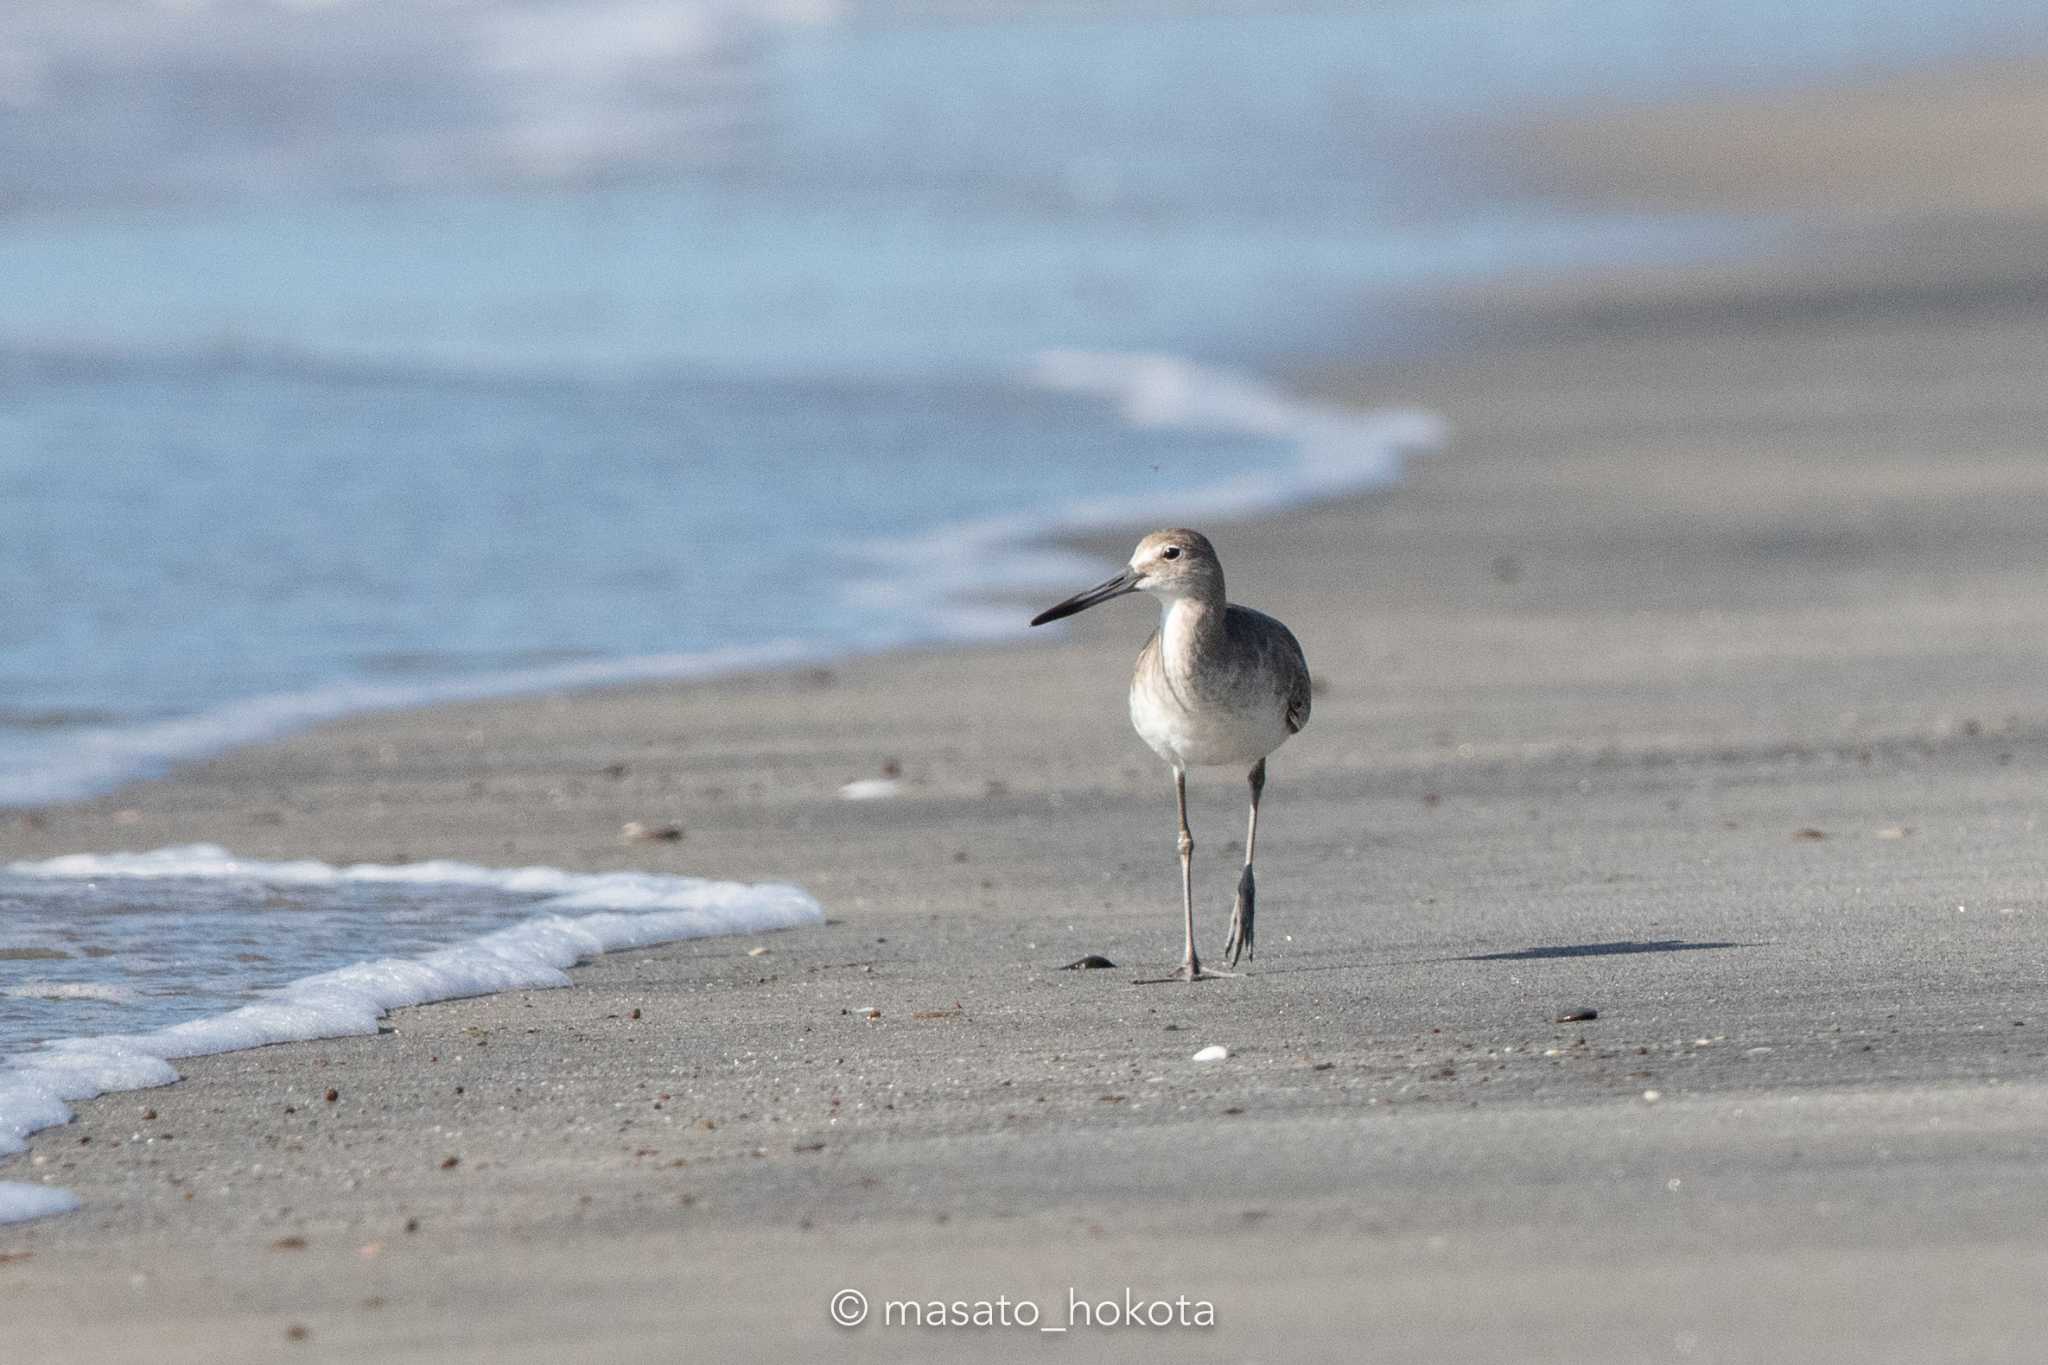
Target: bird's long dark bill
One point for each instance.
(1081, 601)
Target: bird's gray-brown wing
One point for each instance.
(1299, 685)
(1280, 660)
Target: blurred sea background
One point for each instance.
(365, 354)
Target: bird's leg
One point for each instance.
(1191, 969)
(1192, 966)
(1247, 889)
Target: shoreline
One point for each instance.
(940, 573)
(1697, 683)
(567, 919)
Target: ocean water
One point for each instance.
(256, 548)
(618, 339)
(365, 355)
(138, 959)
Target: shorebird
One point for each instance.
(1216, 684)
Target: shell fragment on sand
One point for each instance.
(871, 789)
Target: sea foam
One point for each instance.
(538, 92)
(1338, 449)
(949, 575)
(582, 916)
(82, 763)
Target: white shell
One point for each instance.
(870, 789)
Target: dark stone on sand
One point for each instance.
(1092, 962)
(1578, 1014)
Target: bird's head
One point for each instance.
(1169, 565)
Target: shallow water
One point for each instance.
(183, 952)
(99, 956)
(135, 943)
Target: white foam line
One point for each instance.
(584, 915)
(88, 762)
(1337, 450)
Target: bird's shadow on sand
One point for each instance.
(1568, 950)
(1662, 945)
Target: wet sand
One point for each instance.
(1699, 682)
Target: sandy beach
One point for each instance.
(1697, 681)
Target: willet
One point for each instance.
(1216, 684)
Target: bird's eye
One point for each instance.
(1170, 552)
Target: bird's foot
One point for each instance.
(1240, 940)
(1188, 971)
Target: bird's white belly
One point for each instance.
(1211, 735)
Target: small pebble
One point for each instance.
(1215, 1052)
(1652, 1096)
(1578, 1014)
(1092, 962)
(449, 1163)
(331, 1096)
